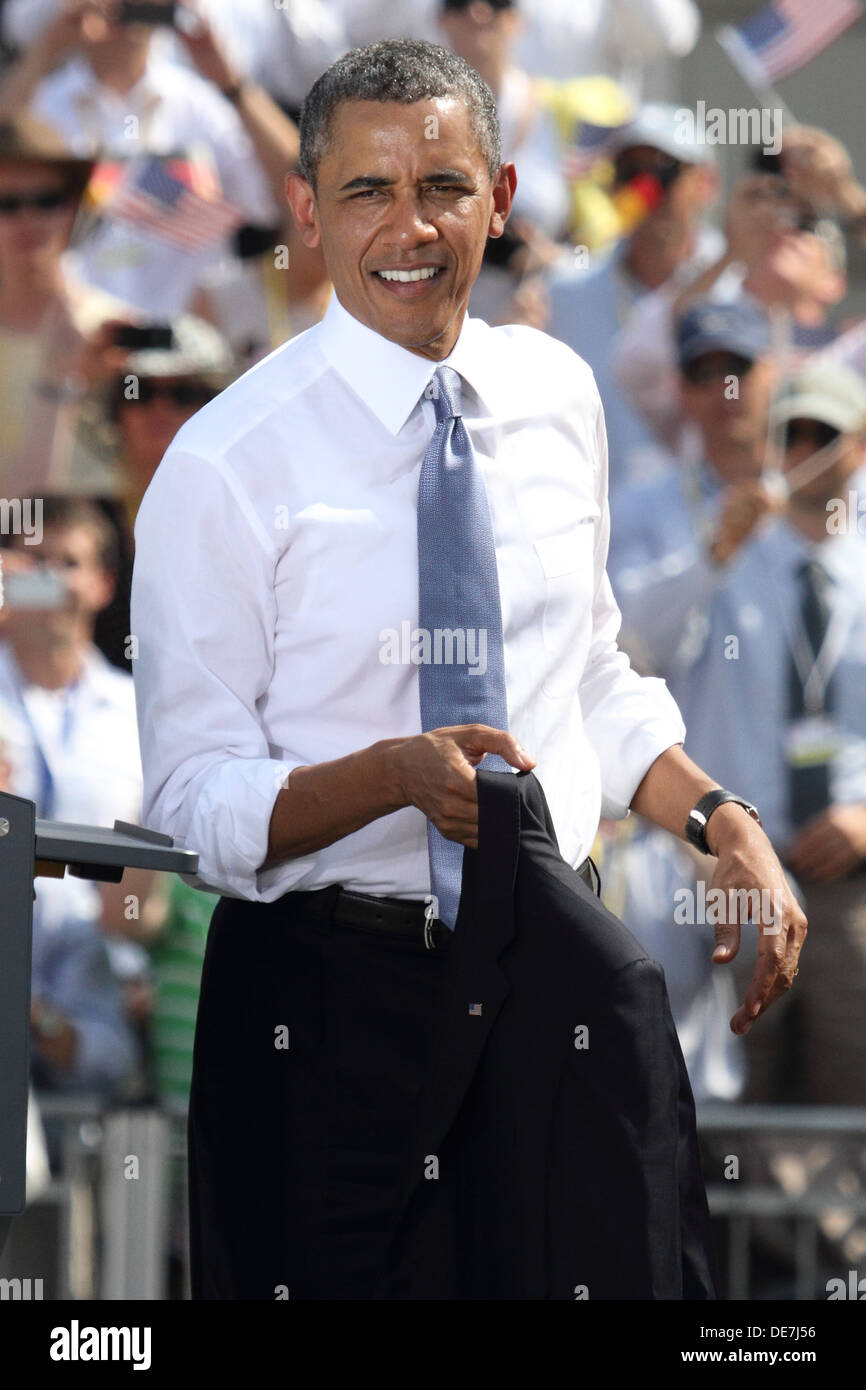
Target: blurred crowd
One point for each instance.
(147, 259)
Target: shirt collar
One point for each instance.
(839, 556)
(391, 380)
(94, 665)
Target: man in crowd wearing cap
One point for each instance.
(746, 589)
(159, 389)
(816, 556)
(779, 252)
(154, 393)
(676, 181)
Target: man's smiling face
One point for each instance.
(402, 217)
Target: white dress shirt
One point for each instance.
(277, 543)
(170, 110)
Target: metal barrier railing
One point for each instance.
(120, 1194)
(802, 1168)
(119, 1198)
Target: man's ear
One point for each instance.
(503, 197)
(302, 201)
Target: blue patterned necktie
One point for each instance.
(462, 679)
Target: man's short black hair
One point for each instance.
(404, 70)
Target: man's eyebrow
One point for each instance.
(447, 176)
(456, 176)
(366, 181)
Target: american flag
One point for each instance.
(476, 1009)
(784, 36)
(156, 194)
(590, 146)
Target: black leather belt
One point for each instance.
(407, 917)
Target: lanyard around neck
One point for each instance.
(47, 797)
(815, 669)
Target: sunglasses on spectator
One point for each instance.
(12, 203)
(813, 432)
(180, 393)
(628, 166)
(714, 366)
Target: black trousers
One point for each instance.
(310, 1053)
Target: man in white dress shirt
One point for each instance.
(275, 597)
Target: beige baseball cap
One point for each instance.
(826, 391)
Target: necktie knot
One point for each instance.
(815, 589)
(812, 572)
(445, 392)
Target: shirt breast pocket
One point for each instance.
(567, 561)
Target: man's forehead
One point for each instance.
(401, 113)
(379, 125)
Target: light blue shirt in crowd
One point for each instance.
(588, 308)
(71, 973)
(722, 636)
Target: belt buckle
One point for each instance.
(430, 910)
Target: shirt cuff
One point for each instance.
(229, 828)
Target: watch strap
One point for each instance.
(696, 824)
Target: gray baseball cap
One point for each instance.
(741, 327)
(826, 391)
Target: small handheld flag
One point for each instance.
(784, 36)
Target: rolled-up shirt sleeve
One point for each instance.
(203, 620)
(629, 720)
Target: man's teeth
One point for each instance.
(425, 272)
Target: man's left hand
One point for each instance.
(747, 861)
